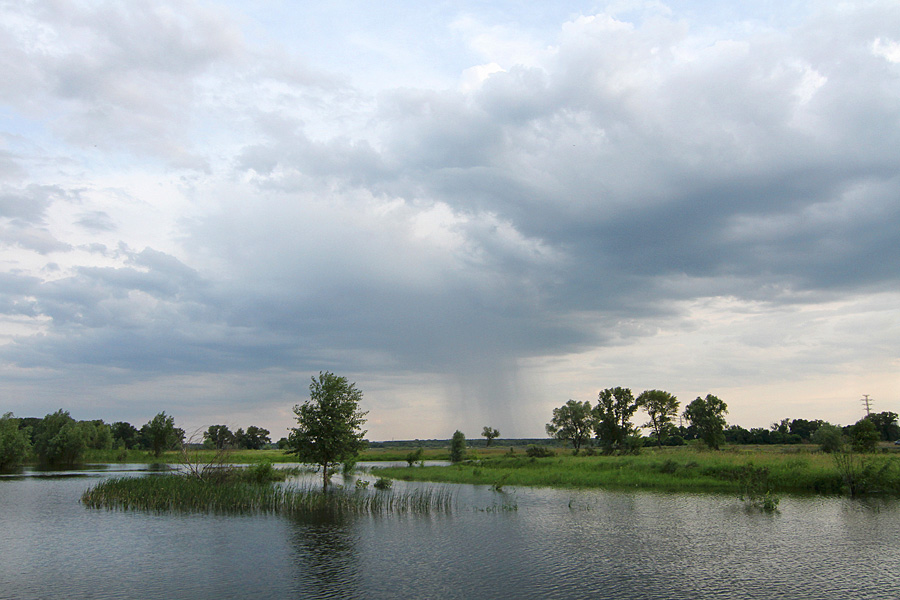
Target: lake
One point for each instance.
(525, 543)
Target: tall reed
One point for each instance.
(176, 492)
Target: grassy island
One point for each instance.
(690, 470)
(253, 490)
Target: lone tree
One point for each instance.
(707, 416)
(457, 446)
(161, 434)
(572, 422)
(615, 407)
(329, 424)
(489, 433)
(661, 407)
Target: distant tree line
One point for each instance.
(609, 422)
(59, 440)
(798, 431)
(608, 426)
(220, 438)
(329, 430)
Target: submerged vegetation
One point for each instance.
(747, 473)
(251, 490)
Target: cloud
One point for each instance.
(125, 77)
(96, 220)
(591, 188)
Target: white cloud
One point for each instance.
(887, 49)
(473, 77)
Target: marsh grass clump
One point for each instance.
(497, 486)
(506, 505)
(246, 494)
(862, 474)
(755, 488)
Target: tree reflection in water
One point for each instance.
(326, 556)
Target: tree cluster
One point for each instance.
(863, 435)
(609, 425)
(57, 439)
(609, 422)
(220, 437)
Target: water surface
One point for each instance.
(555, 544)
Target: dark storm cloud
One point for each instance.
(618, 165)
(599, 176)
(643, 164)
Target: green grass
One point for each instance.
(250, 457)
(689, 470)
(243, 492)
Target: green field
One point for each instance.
(736, 470)
(781, 469)
(251, 456)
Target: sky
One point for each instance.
(475, 211)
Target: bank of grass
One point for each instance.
(238, 491)
(251, 457)
(691, 470)
(242, 457)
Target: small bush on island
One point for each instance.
(755, 489)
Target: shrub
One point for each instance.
(669, 467)
(755, 488)
(864, 436)
(262, 473)
(539, 452)
(457, 446)
(633, 444)
(414, 456)
(829, 437)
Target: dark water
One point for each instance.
(557, 544)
